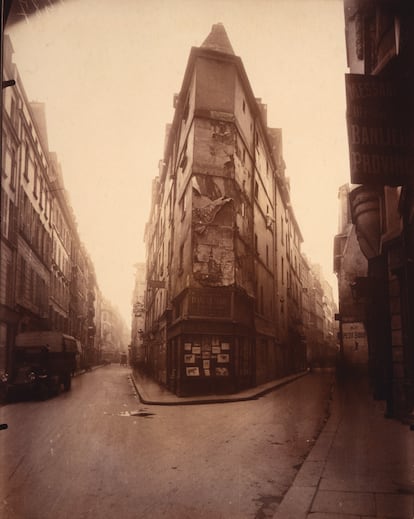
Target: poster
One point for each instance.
(193, 371)
(189, 358)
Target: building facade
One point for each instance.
(47, 279)
(380, 115)
(137, 353)
(350, 267)
(224, 294)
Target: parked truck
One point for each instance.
(43, 363)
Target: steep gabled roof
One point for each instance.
(218, 40)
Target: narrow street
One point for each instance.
(97, 452)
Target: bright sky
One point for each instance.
(107, 72)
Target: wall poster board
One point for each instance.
(207, 356)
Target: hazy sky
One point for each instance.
(107, 71)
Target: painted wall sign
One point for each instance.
(209, 303)
(380, 130)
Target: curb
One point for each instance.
(297, 501)
(214, 400)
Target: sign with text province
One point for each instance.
(380, 124)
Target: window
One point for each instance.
(36, 180)
(244, 106)
(13, 168)
(281, 230)
(8, 163)
(267, 255)
(22, 285)
(256, 244)
(256, 189)
(4, 214)
(46, 204)
(41, 193)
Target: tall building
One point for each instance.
(47, 280)
(26, 205)
(223, 306)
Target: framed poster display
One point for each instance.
(222, 372)
(192, 371)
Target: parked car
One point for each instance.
(42, 363)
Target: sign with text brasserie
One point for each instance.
(380, 130)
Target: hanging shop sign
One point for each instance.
(380, 122)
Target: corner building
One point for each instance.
(223, 300)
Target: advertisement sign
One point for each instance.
(355, 342)
(380, 126)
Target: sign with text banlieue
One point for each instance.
(380, 129)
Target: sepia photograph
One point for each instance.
(207, 259)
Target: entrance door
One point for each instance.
(245, 366)
(172, 365)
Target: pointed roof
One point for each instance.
(218, 40)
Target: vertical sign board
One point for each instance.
(380, 123)
(355, 343)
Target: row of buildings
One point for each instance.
(226, 299)
(47, 278)
(374, 249)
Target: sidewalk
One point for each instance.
(362, 465)
(152, 393)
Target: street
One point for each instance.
(96, 451)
